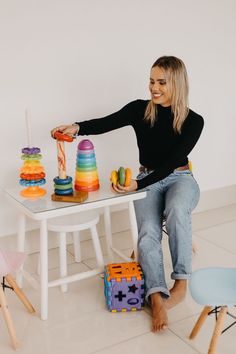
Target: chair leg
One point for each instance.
(38, 270)
(63, 259)
(217, 330)
(132, 256)
(8, 319)
(97, 246)
(201, 319)
(194, 248)
(19, 293)
(77, 248)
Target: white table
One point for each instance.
(44, 208)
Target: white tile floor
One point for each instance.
(79, 322)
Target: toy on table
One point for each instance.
(122, 176)
(86, 175)
(32, 173)
(63, 184)
(124, 287)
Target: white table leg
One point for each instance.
(20, 245)
(44, 269)
(134, 228)
(108, 232)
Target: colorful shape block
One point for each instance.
(124, 287)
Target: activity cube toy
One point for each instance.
(124, 287)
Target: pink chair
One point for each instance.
(10, 262)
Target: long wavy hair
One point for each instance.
(177, 84)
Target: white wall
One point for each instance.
(68, 60)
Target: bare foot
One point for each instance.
(159, 314)
(177, 293)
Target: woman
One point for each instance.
(166, 131)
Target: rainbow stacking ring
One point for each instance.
(86, 175)
(63, 186)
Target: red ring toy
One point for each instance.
(32, 176)
(63, 137)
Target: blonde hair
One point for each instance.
(177, 84)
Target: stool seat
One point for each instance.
(74, 222)
(214, 286)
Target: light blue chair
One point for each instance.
(215, 289)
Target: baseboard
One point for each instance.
(216, 198)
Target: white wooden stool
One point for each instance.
(75, 223)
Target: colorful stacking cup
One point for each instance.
(86, 175)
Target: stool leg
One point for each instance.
(201, 319)
(77, 249)
(97, 246)
(8, 319)
(217, 330)
(63, 259)
(194, 248)
(19, 293)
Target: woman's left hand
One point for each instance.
(122, 189)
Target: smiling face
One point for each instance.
(158, 87)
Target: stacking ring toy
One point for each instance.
(128, 177)
(63, 137)
(32, 176)
(86, 174)
(30, 151)
(62, 181)
(122, 176)
(63, 187)
(63, 192)
(32, 183)
(114, 177)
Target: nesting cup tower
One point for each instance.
(86, 175)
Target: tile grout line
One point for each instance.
(215, 225)
(214, 244)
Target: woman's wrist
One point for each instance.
(77, 127)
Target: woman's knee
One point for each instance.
(177, 211)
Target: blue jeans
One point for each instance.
(171, 199)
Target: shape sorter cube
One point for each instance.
(124, 287)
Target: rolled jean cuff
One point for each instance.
(164, 292)
(176, 276)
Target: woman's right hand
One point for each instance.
(70, 130)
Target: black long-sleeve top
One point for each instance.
(161, 149)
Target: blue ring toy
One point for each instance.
(64, 192)
(86, 156)
(62, 181)
(33, 183)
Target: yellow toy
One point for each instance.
(122, 176)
